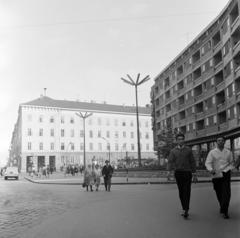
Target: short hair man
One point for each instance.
(219, 163)
(181, 160)
(107, 172)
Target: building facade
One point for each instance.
(49, 132)
(198, 93)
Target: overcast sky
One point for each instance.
(79, 49)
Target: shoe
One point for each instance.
(226, 216)
(186, 215)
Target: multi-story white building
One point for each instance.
(49, 132)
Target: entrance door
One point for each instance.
(29, 164)
(41, 162)
(52, 162)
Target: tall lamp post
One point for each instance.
(136, 84)
(108, 147)
(84, 116)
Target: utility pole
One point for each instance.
(136, 84)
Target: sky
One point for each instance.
(79, 49)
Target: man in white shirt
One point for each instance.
(219, 163)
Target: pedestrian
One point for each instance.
(181, 160)
(97, 176)
(107, 172)
(88, 179)
(219, 163)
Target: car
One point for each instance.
(11, 172)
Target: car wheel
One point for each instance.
(5, 178)
(16, 178)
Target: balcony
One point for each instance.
(237, 72)
(199, 115)
(221, 106)
(218, 66)
(220, 86)
(201, 132)
(233, 123)
(190, 135)
(211, 129)
(223, 126)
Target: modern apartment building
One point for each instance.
(198, 93)
(48, 132)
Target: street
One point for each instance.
(47, 211)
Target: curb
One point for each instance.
(121, 183)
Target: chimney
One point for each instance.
(45, 89)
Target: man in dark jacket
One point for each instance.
(107, 172)
(181, 160)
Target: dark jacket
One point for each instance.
(181, 159)
(107, 171)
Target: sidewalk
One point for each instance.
(60, 179)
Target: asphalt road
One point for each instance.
(31, 210)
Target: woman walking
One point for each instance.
(88, 177)
(97, 176)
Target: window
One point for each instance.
(100, 146)
(116, 134)
(132, 147)
(116, 147)
(62, 133)
(131, 124)
(124, 134)
(52, 132)
(72, 120)
(72, 133)
(29, 133)
(108, 134)
(90, 121)
(147, 135)
(40, 132)
(107, 122)
(41, 119)
(146, 124)
(62, 120)
(91, 146)
(91, 134)
(52, 119)
(72, 146)
(147, 146)
(81, 146)
(81, 133)
(29, 146)
(99, 134)
(132, 134)
(62, 146)
(123, 123)
(215, 119)
(99, 121)
(52, 146)
(116, 122)
(40, 146)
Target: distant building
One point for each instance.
(198, 93)
(48, 132)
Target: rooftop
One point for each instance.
(45, 101)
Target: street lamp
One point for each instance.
(108, 147)
(84, 116)
(136, 84)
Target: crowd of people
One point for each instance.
(93, 174)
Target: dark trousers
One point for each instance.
(184, 180)
(222, 188)
(107, 183)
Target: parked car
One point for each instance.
(11, 172)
